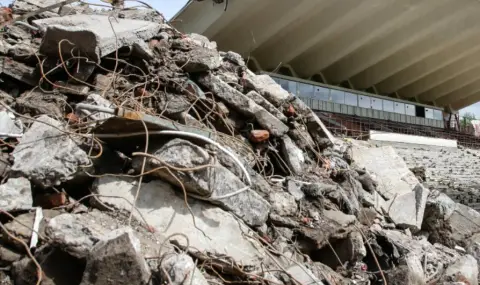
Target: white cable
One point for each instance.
(90, 107)
(187, 134)
(181, 133)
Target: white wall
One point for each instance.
(410, 139)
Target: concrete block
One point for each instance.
(292, 155)
(283, 203)
(181, 270)
(407, 210)
(199, 59)
(92, 34)
(76, 234)
(48, 156)
(208, 183)
(166, 211)
(16, 195)
(244, 104)
(303, 275)
(463, 269)
(390, 171)
(116, 259)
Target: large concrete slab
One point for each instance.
(95, 35)
(407, 210)
(47, 155)
(411, 139)
(387, 168)
(166, 211)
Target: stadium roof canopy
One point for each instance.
(428, 50)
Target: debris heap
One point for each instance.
(135, 154)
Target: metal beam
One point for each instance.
(334, 18)
(451, 85)
(431, 64)
(438, 77)
(405, 35)
(459, 29)
(465, 102)
(322, 55)
(460, 93)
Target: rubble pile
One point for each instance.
(135, 154)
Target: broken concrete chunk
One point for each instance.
(373, 200)
(23, 6)
(201, 41)
(407, 210)
(181, 270)
(257, 98)
(303, 275)
(292, 155)
(165, 210)
(214, 184)
(37, 103)
(268, 88)
(448, 222)
(47, 155)
(19, 71)
(315, 126)
(8, 124)
(463, 269)
(116, 259)
(415, 273)
(356, 246)
(149, 15)
(339, 217)
(73, 89)
(89, 34)
(393, 176)
(22, 225)
(234, 57)
(7, 257)
(199, 59)
(243, 104)
(283, 203)
(473, 247)
(301, 137)
(295, 189)
(76, 234)
(16, 195)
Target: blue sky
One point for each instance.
(169, 7)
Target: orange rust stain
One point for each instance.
(133, 115)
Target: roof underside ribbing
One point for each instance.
(423, 49)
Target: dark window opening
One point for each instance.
(420, 111)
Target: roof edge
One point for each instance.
(181, 10)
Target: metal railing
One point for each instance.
(360, 127)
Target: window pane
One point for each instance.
(388, 106)
(399, 108)
(438, 115)
(292, 87)
(376, 103)
(305, 90)
(283, 83)
(321, 93)
(350, 99)
(364, 101)
(428, 113)
(337, 96)
(409, 109)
